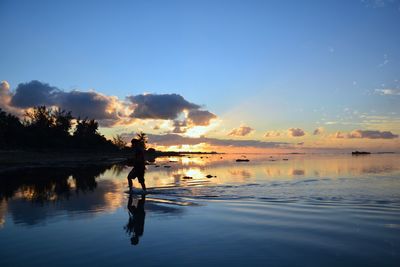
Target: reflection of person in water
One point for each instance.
(135, 225)
(139, 166)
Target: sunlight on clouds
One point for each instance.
(184, 147)
(197, 131)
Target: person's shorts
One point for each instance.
(137, 172)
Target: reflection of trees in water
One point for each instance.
(49, 184)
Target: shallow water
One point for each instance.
(308, 210)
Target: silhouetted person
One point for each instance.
(139, 165)
(135, 225)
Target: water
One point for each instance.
(309, 210)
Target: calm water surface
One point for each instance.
(279, 210)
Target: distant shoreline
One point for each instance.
(17, 159)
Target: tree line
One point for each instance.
(45, 128)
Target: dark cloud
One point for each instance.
(296, 132)
(163, 106)
(241, 131)
(372, 134)
(108, 110)
(175, 139)
(90, 104)
(200, 117)
(34, 93)
(179, 126)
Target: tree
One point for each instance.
(10, 130)
(86, 128)
(63, 121)
(142, 137)
(119, 142)
(40, 117)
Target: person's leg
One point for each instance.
(130, 177)
(141, 179)
(130, 184)
(143, 186)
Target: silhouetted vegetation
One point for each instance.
(52, 129)
(119, 142)
(142, 138)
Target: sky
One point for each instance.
(212, 75)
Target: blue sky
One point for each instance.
(267, 64)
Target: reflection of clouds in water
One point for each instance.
(72, 191)
(193, 161)
(261, 168)
(378, 169)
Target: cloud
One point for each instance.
(159, 106)
(5, 95)
(296, 132)
(372, 134)
(300, 143)
(387, 91)
(108, 110)
(200, 117)
(339, 135)
(5, 99)
(318, 131)
(272, 134)
(34, 93)
(179, 126)
(90, 104)
(4, 86)
(170, 107)
(176, 139)
(384, 62)
(241, 131)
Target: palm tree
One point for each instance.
(142, 137)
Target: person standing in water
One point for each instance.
(139, 165)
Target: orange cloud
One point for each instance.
(296, 132)
(241, 131)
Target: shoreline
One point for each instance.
(18, 159)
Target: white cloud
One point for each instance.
(387, 91)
